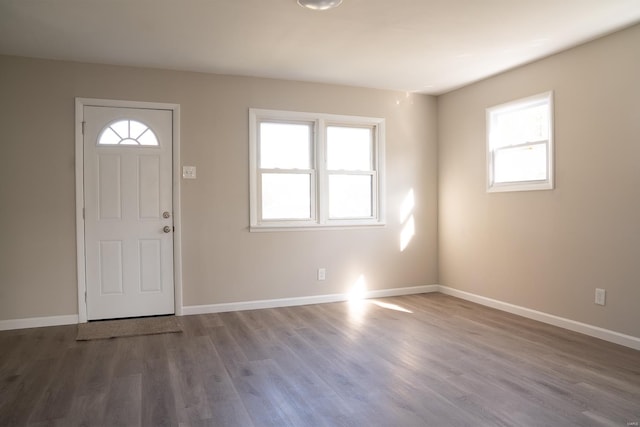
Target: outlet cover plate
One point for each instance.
(600, 296)
(188, 172)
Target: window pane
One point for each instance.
(285, 146)
(349, 148)
(286, 196)
(108, 137)
(136, 128)
(528, 124)
(148, 138)
(121, 128)
(528, 163)
(350, 196)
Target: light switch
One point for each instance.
(189, 172)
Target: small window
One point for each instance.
(315, 170)
(520, 145)
(128, 132)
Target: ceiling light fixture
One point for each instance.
(319, 4)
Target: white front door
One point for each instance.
(128, 212)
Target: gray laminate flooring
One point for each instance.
(419, 360)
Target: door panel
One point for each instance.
(151, 265)
(110, 267)
(109, 188)
(128, 187)
(148, 178)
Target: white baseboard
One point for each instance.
(38, 322)
(72, 319)
(572, 325)
(290, 302)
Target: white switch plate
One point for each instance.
(322, 274)
(600, 296)
(189, 172)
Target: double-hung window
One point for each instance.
(286, 173)
(520, 145)
(312, 170)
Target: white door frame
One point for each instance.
(80, 237)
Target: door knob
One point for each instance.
(166, 214)
(166, 229)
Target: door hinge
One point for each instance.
(82, 213)
(85, 297)
(83, 123)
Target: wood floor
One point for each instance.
(420, 360)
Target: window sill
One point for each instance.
(319, 227)
(522, 186)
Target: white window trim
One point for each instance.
(320, 178)
(547, 184)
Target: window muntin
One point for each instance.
(315, 170)
(520, 145)
(128, 132)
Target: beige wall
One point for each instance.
(222, 261)
(549, 250)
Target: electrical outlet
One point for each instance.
(322, 274)
(600, 296)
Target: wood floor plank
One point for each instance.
(128, 358)
(124, 401)
(231, 413)
(30, 387)
(413, 360)
(97, 370)
(158, 400)
(244, 335)
(234, 359)
(56, 401)
(88, 409)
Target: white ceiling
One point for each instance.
(427, 46)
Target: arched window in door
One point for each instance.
(128, 132)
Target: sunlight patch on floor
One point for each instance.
(358, 304)
(390, 306)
